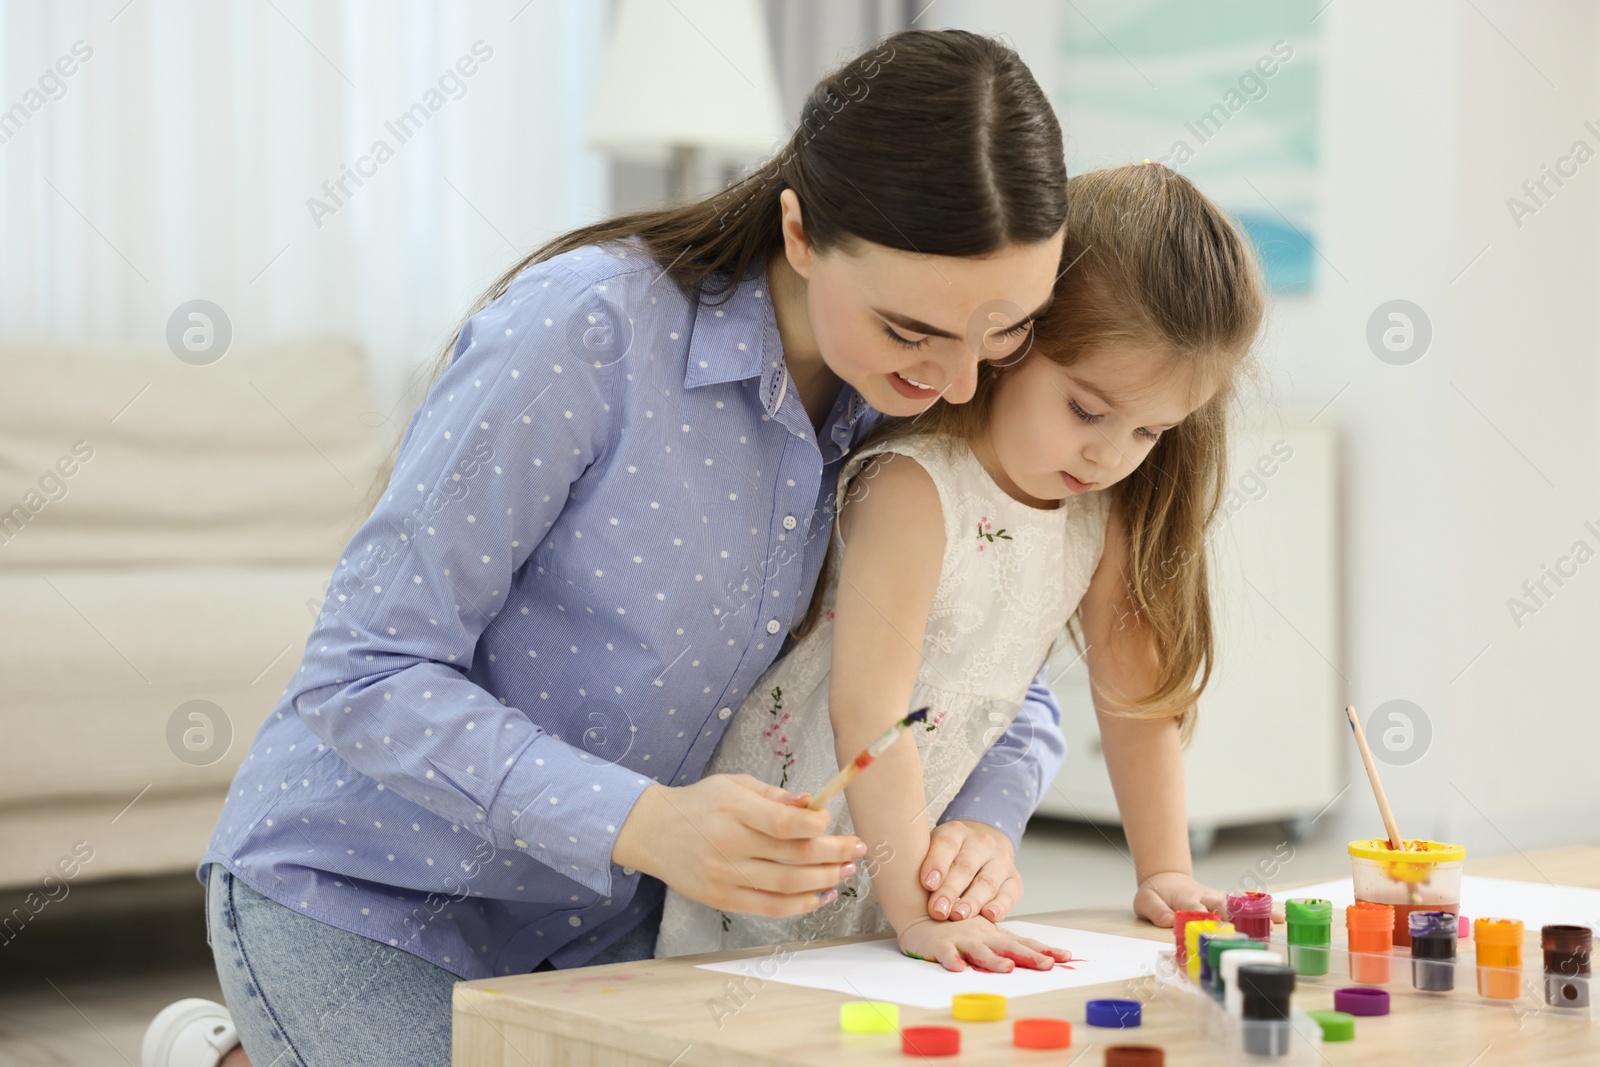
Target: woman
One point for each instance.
(607, 512)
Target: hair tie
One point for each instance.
(1155, 163)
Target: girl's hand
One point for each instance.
(1161, 894)
(969, 872)
(977, 941)
(736, 843)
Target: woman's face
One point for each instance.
(905, 328)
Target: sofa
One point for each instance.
(167, 531)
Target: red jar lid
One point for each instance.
(1135, 1056)
(930, 1041)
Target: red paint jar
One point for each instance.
(1251, 914)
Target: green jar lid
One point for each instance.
(1308, 910)
(1336, 1025)
(1215, 948)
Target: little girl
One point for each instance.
(969, 538)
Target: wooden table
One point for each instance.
(656, 1013)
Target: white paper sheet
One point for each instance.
(1535, 903)
(876, 970)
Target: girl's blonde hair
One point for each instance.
(1149, 260)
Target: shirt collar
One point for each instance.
(734, 339)
(737, 339)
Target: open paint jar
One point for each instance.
(1421, 876)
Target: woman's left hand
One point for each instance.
(969, 871)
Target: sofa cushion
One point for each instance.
(97, 661)
(121, 457)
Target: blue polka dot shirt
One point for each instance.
(604, 518)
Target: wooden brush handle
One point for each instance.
(1377, 786)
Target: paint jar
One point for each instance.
(1228, 965)
(1310, 932)
(1421, 876)
(1210, 974)
(1203, 944)
(1369, 928)
(1567, 952)
(1264, 989)
(1499, 944)
(1180, 921)
(1251, 914)
(1191, 940)
(1433, 950)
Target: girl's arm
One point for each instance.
(1143, 755)
(894, 531)
(992, 809)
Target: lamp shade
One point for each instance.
(687, 73)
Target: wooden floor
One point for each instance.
(80, 982)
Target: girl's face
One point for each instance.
(1056, 431)
(905, 328)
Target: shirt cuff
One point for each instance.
(563, 806)
(993, 799)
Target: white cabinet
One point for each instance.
(1273, 701)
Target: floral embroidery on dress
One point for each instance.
(779, 730)
(987, 532)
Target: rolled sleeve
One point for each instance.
(484, 470)
(1006, 787)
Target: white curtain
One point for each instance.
(811, 38)
(161, 151)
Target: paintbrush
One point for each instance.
(847, 774)
(1396, 842)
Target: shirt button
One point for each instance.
(789, 522)
(628, 871)
(723, 713)
(773, 626)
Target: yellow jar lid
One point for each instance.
(1415, 851)
(978, 1007)
(869, 1016)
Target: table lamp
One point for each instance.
(682, 79)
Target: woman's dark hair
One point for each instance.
(934, 141)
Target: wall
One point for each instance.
(1524, 724)
(1467, 469)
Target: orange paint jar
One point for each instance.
(1369, 929)
(1499, 944)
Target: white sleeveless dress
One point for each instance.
(1011, 577)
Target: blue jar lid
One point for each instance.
(1116, 1014)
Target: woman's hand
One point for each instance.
(960, 942)
(736, 843)
(969, 871)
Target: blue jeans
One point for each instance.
(306, 994)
